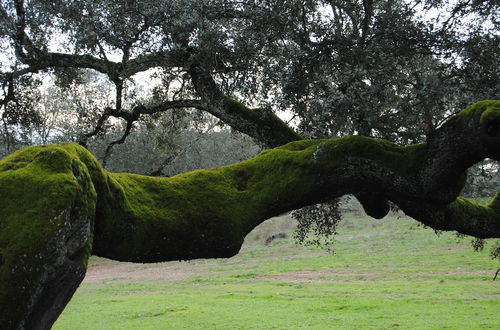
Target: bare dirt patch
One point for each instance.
(321, 276)
(103, 271)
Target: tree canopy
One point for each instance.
(339, 67)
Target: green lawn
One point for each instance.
(387, 273)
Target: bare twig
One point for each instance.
(9, 95)
(171, 158)
(83, 139)
(108, 151)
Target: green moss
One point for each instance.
(38, 187)
(301, 145)
(235, 106)
(400, 160)
(463, 212)
(482, 111)
(472, 209)
(495, 202)
(491, 111)
(206, 212)
(261, 118)
(215, 208)
(195, 214)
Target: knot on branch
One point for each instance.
(490, 132)
(490, 127)
(375, 206)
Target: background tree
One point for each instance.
(341, 67)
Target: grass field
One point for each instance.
(385, 274)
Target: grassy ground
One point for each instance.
(385, 274)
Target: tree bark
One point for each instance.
(51, 196)
(46, 227)
(261, 124)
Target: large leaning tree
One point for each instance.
(339, 67)
(59, 205)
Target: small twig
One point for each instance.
(172, 158)
(83, 139)
(132, 116)
(119, 141)
(496, 274)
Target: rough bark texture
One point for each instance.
(261, 123)
(46, 225)
(50, 196)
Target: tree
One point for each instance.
(340, 67)
(77, 208)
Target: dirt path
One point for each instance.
(102, 271)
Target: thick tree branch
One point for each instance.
(207, 213)
(261, 124)
(45, 60)
(424, 180)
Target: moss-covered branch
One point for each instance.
(46, 223)
(57, 199)
(261, 123)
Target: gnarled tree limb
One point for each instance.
(261, 124)
(75, 205)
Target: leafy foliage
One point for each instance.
(340, 67)
(317, 224)
(495, 250)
